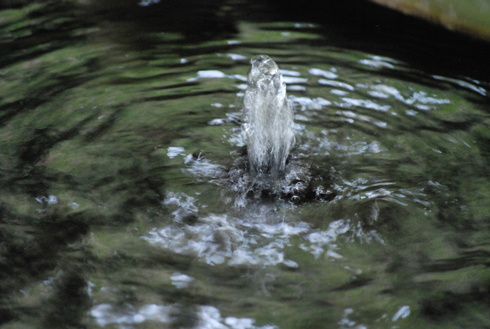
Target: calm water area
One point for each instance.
(122, 168)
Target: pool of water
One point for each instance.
(122, 169)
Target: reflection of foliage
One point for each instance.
(90, 105)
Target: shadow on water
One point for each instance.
(122, 175)
(196, 20)
(371, 28)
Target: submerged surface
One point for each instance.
(470, 17)
(122, 170)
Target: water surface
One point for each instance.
(122, 200)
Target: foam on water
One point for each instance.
(206, 317)
(268, 118)
(260, 237)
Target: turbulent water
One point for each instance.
(126, 198)
(268, 118)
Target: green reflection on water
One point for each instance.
(85, 168)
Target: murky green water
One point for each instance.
(120, 169)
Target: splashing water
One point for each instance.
(268, 118)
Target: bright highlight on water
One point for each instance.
(268, 118)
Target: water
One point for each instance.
(126, 199)
(268, 118)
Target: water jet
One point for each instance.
(268, 118)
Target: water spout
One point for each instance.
(268, 118)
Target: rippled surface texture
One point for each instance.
(122, 169)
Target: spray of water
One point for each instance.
(268, 118)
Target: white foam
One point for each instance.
(336, 84)
(323, 73)
(180, 280)
(107, 314)
(173, 151)
(211, 74)
(208, 317)
(236, 57)
(402, 313)
(221, 239)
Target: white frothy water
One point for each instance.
(261, 237)
(268, 118)
(164, 316)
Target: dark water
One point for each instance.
(121, 171)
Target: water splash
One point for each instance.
(260, 237)
(155, 315)
(268, 118)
